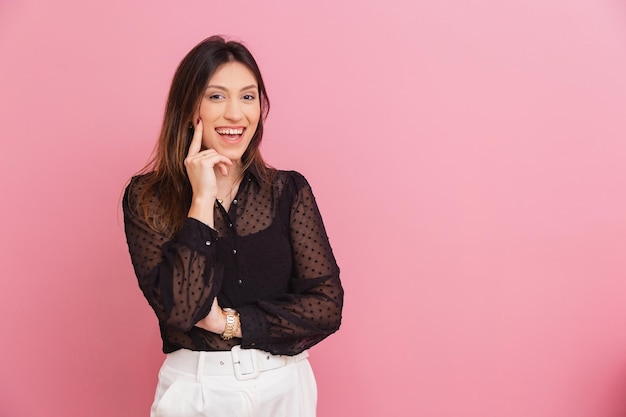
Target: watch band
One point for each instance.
(232, 318)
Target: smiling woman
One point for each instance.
(232, 255)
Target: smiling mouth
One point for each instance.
(230, 132)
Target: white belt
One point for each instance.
(244, 364)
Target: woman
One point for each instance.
(231, 254)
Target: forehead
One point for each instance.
(233, 75)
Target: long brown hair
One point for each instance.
(165, 196)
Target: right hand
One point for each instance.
(201, 164)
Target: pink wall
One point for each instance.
(468, 157)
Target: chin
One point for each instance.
(235, 157)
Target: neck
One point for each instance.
(235, 173)
(227, 185)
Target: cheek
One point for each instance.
(254, 125)
(205, 110)
(207, 140)
(255, 116)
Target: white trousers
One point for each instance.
(237, 383)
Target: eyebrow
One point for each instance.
(219, 87)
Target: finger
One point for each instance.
(214, 156)
(223, 168)
(223, 164)
(196, 140)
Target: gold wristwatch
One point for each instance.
(232, 318)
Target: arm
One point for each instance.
(311, 311)
(179, 276)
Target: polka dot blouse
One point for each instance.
(268, 257)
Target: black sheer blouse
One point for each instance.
(268, 257)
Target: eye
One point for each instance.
(249, 97)
(215, 96)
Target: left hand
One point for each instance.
(215, 321)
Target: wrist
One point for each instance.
(201, 209)
(231, 320)
(206, 197)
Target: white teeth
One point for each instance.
(229, 131)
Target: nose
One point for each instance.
(233, 110)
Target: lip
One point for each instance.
(231, 139)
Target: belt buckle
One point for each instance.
(245, 363)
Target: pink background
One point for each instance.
(468, 157)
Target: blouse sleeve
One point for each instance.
(311, 311)
(179, 276)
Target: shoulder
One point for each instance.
(136, 188)
(137, 183)
(290, 179)
(293, 187)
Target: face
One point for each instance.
(230, 110)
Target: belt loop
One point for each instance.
(200, 370)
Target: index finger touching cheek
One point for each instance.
(196, 140)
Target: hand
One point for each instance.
(216, 318)
(215, 321)
(201, 164)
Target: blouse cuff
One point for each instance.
(197, 235)
(254, 326)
